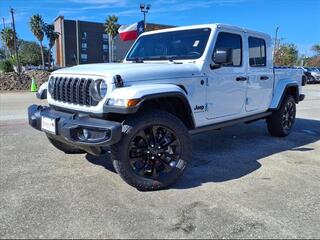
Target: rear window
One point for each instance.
(257, 52)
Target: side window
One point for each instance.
(234, 43)
(257, 52)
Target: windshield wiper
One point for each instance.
(170, 58)
(136, 60)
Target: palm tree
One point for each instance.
(111, 27)
(52, 36)
(36, 25)
(8, 37)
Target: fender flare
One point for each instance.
(277, 98)
(175, 91)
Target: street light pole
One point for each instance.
(145, 9)
(15, 40)
(275, 41)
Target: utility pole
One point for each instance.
(15, 40)
(275, 41)
(5, 47)
(145, 9)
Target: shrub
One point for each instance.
(6, 66)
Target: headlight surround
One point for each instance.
(51, 85)
(102, 88)
(99, 89)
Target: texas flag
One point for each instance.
(131, 32)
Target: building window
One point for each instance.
(105, 59)
(105, 36)
(105, 47)
(84, 57)
(84, 46)
(84, 35)
(257, 52)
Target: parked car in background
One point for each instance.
(314, 75)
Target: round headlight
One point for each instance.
(51, 85)
(102, 88)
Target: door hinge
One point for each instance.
(207, 82)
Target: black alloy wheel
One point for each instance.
(288, 116)
(154, 152)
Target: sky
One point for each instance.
(298, 20)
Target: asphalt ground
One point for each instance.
(241, 183)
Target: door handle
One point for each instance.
(264, 78)
(241, 79)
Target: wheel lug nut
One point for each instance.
(159, 154)
(152, 145)
(159, 147)
(152, 157)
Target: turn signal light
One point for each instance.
(132, 102)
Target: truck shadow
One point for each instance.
(237, 151)
(234, 152)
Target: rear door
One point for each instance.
(227, 85)
(260, 74)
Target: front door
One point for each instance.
(227, 85)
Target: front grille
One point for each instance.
(72, 90)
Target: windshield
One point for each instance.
(177, 45)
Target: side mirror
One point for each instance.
(221, 56)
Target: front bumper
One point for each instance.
(77, 129)
(301, 97)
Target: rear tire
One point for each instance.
(281, 121)
(66, 148)
(153, 152)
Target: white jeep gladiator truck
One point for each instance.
(172, 83)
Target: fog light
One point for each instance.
(86, 134)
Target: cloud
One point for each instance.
(18, 17)
(100, 4)
(93, 2)
(166, 6)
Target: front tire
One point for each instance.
(153, 152)
(280, 123)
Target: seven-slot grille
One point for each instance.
(73, 90)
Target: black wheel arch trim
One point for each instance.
(135, 109)
(284, 93)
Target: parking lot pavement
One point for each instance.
(241, 183)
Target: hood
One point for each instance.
(135, 71)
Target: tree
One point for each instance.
(36, 25)
(316, 49)
(286, 55)
(52, 36)
(2, 53)
(111, 27)
(7, 37)
(30, 53)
